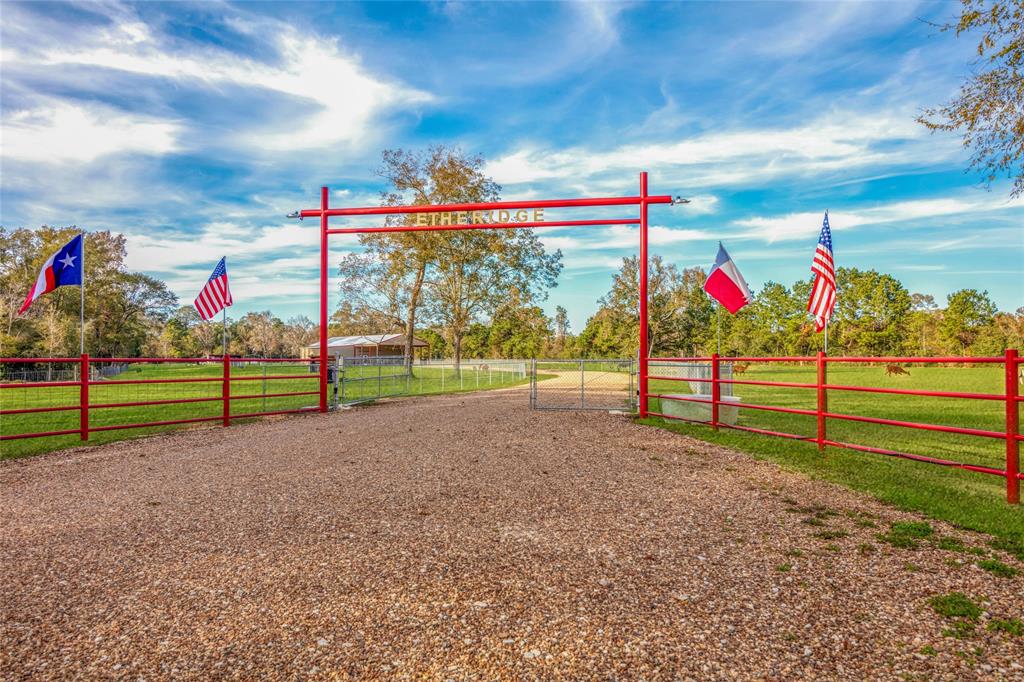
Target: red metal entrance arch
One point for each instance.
(643, 200)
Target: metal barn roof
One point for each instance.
(367, 340)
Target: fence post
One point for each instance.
(1012, 429)
(822, 405)
(716, 390)
(226, 390)
(83, 398)
(341, 376)
(582, 379)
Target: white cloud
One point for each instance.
(345, 101)
(835, 142)
(807, 224)
(702, 204)
(65, 131)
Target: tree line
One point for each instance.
(478, 294)
(127, 314)
(875, 315)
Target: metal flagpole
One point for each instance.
(718, 326)
(81, 304)
(826, 336)
(225, 325)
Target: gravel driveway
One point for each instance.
(466, 537)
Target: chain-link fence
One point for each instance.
(583, 384)
(364, 379)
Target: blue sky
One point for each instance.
(194, 128)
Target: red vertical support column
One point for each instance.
(225, 390)
(1012, 429)
(822, 400)
(643, 295)
(323, 299)
(716, 389)
(83, 398)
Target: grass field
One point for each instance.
(361, 383)
(968, 499)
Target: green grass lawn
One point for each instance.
(361, 383)
(971, 500)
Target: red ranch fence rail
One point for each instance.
(219, 375)
(1011, 397)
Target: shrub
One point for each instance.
(1011, 626)
(914, 529)
(997, 567)
(955, 605)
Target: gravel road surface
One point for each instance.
(466, 537)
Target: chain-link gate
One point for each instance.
(583, 385)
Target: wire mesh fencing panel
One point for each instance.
(684, 388)
(47, 403)
(365, 379)
(608, 385)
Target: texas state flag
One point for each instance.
(63, 268)
(726, 285)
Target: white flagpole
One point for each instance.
(81, 304)
(225, 326)
(826, 336)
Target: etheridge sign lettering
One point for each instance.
(478, 217)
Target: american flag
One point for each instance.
(823, 293)
(215, 295)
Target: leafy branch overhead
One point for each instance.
(989, 109)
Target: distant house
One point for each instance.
(365, 346)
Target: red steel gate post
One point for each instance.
(1012, 429)
(643, 294)
(83, 398)
(225, 390)
(822, 400)
(716, 389)
(323, 299)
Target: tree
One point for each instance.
(177, 340)
(679, 313)
(299, 332)
(347, 320)
(968, 313)
(561, 323)
(476, 271)
(776, 315)
(262, 333)
(519, 331)
(441, 175)
(989, 110)
(138, 305)
(871, 311)
(923, 322)
(461, 276)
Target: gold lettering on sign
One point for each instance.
(475, 217)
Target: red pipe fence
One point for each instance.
(86, 404)
(1010, 397)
